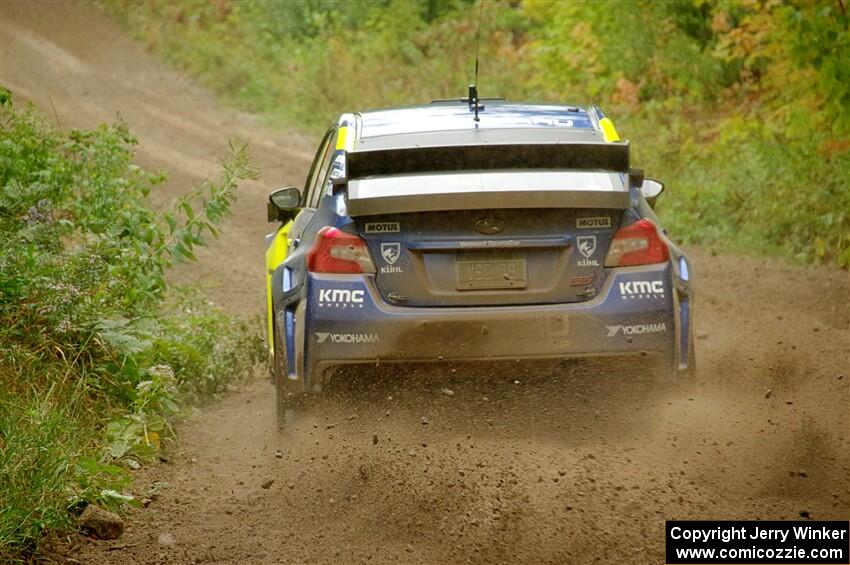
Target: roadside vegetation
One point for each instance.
(741, 108)
(98, 354)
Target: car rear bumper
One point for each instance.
(347, 321)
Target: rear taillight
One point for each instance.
(637, 244)
(336, 251)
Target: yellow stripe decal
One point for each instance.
(340, 138)
(275, 254)
(608, 130)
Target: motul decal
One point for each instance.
(595, 222)
(383, 227)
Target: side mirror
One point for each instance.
(651, 190)
(283, 204)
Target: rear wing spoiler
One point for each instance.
(568, 175)
(487, 190)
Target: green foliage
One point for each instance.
(97, 354)
(39, 444)
(740, 107)
(306, 62)
(754, 193)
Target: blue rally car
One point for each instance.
(425, 235)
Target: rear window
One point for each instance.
(611, 157)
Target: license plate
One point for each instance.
(490, 274)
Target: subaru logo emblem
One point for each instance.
(489, 225)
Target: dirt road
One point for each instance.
(537, 464)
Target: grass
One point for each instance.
(98, 354)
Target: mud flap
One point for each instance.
(287, 389)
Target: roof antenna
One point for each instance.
(473, 88)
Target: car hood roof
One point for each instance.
(452, 123)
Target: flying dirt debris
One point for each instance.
(548, 461)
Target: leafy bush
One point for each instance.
(740, 107)
(40, 442)
(97, 354)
